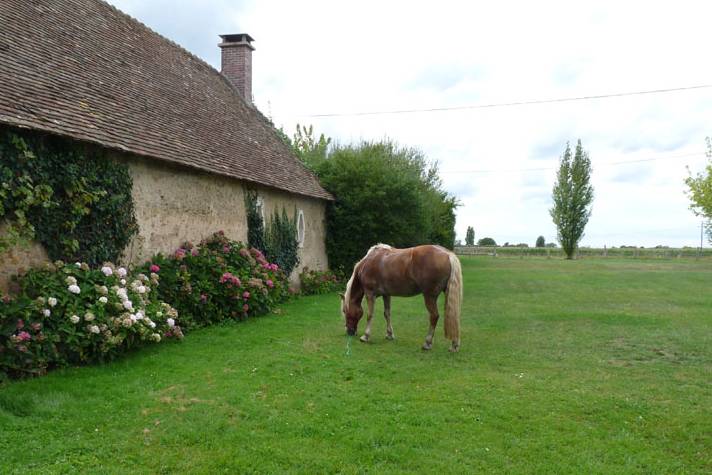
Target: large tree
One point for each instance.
(540, 241)
(384, 193)
(470, 236)
(700, 191)
(572, 196)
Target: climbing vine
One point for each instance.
(70, 197)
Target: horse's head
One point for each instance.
(352, 314)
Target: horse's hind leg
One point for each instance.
(370, 299)
(432, 305)
(387, 315)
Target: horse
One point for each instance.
(386, 271)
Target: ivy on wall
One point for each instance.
(70, 197)
(278, 240)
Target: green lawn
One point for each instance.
(592, 366)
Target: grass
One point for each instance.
(591, 366)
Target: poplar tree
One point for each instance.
(572, 196)
(470, 236)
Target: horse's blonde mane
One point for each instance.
(347, 294)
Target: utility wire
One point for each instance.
(508, 104)
(596, 165)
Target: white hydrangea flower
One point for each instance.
(51, 301)
(74, 319)
(171, 323)
(106, 270)
(121, 272)
(141, 289)
(133, 317)
(103, 299)
(121, 293)
(94, 329)
(74, 288)
(123, 281)
(78, 264)
(156, 337)
(103, 290)
(139, 315)
(46, 312)
(128, 305)
(89, 316)
(151, 324)
(71, 280)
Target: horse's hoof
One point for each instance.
(390, 337)
(454, 349)
(364, 339)
(427, 347)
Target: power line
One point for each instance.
(507, 104)
(622, 162)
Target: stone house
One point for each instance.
(191, 136)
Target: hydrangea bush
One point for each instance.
(217, 280)
(319, 282)
(72, 314)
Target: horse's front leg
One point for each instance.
(387, 315)
(432, 304)
(370, 299)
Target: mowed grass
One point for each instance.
(592, 366)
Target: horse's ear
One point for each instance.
(342, 296)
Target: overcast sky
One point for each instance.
(345, 57)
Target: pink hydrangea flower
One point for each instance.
(194, 252)
(24, 336)
(226, 249)
(230, 279)
(203, 298)
(246, 295)
(154, 268)
(245, 308)
(180, 253)
(269, 283)
(36, 326)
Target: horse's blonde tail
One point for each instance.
(453, 300)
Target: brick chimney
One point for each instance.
(236, 64)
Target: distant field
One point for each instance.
(612, 252)
(589, 366)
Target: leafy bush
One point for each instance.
(487, 241)
(319, 282)
(255, 224)
(69, 196)
(218, 280)
(384, 193)
(540, 241)
(72, 314)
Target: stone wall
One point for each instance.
(175, 204)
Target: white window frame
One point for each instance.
(301, 226)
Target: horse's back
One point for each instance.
(406, 272)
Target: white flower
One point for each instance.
(78, 264)
(89, 316)
(139, 315)
(151, 324)
(171, 323)
(107, 271)
(46, 312)
(156, 337)
(123, 281)
(74, 319)
(71, 280)
(128, 305)
(122, 294)
(94, 329)
(74, 288)
(103, 299)
(103, 290)
(141, 289)
(51, 301)
(133, 317)
(121, 272)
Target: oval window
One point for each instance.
(301, 228)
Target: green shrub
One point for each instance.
(281, 245)
(487, 241)
(218, 280)
(319, 282)
(72, 314)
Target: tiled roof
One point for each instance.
(83, 69)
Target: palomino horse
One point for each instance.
(387, 271)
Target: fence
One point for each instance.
(584, 252)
